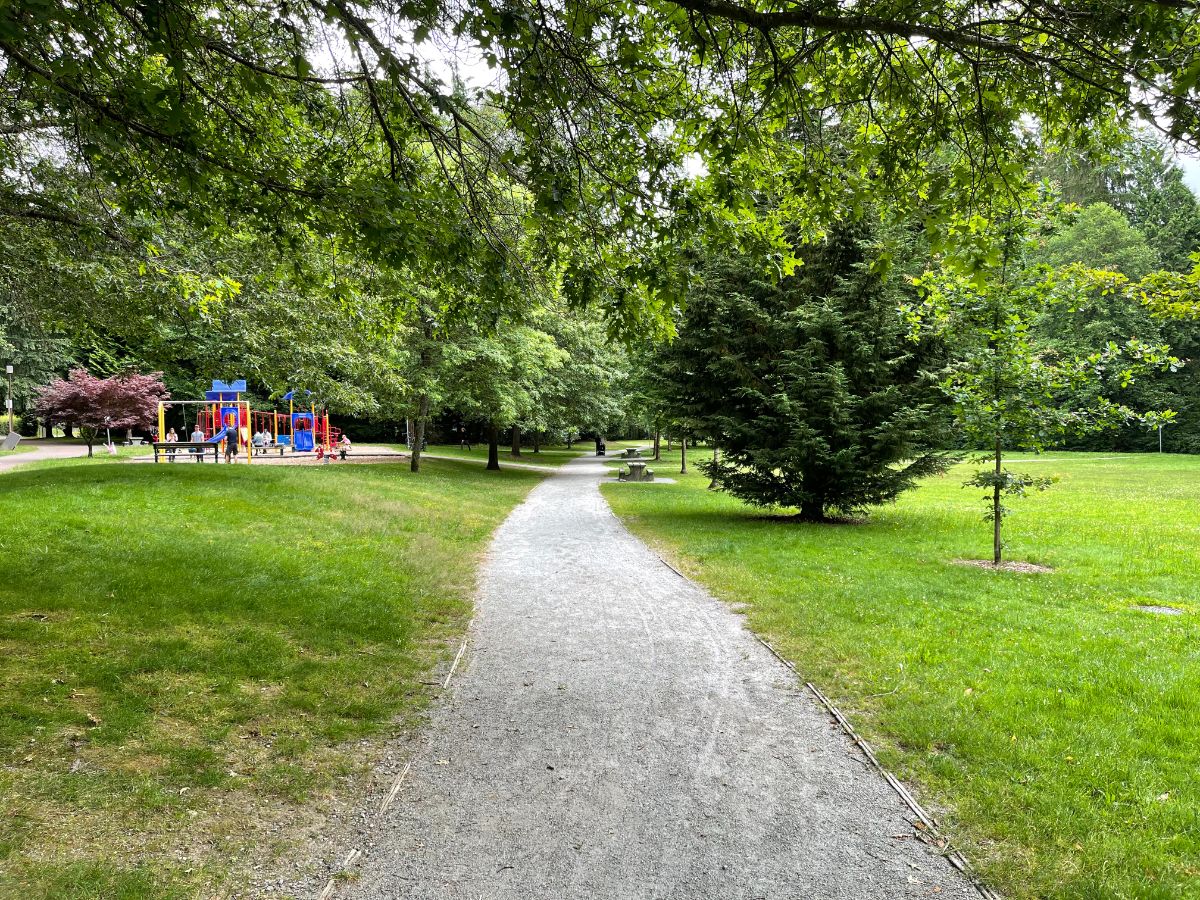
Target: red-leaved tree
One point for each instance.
(128, 400)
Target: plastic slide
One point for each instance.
(219, 436)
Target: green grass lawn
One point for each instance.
(1056, 727)
(552, 455)
(191, 655)
(100, 455)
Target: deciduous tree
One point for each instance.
(1009, 391)
(127, 400)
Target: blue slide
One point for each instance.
(219, 436)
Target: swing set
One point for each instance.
(223, 417)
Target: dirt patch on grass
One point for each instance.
(1159, 610)
(797, 519)
(1006, 566)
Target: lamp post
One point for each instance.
(9, 372)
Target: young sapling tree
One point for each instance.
(1008, 391)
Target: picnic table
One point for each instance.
(194, 448)
(638, 471)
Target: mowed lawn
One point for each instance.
(1056, 727)
(191, 656)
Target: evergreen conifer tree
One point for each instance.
(817, 396)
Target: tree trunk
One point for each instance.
(418, 439)
(657, 445)
(668, 442)
(712, 484)
(812, 511)
(516, 440)
(598, 442)
(683, 456)
(408, 431)
(996, 546)
(68, 430)
(537, 441)
(90, 437)
(569, 438)
(493, 433)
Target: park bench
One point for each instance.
(171, 448)
(263, 449)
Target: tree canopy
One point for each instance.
(1101, 237)
(328, 113)
(127, 400)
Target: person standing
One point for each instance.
(172, 438)
(198, 438)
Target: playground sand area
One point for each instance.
(361, 454)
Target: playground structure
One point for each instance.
(303, 431)
(223, 416)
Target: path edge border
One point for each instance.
(356, 855)
(953, 856)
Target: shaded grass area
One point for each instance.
(186, 652)
(1057, 726)
(548, 455)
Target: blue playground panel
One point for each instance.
(302, 431)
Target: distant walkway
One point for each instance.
(44, 450)
(505, 462)
(617, 733)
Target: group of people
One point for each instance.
(343, 447)
(197, 437)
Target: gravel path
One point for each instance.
(616, 733)
(42, 451)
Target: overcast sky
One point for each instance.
(1191, 171)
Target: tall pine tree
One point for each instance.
(817, 397)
